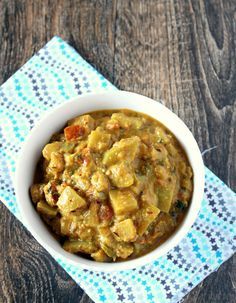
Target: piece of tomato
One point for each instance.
(73, 132)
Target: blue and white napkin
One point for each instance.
(56, 74)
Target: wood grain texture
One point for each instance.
(181, 52)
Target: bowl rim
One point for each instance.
(153, 255)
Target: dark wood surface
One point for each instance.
(182, 52)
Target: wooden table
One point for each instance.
(182, 52)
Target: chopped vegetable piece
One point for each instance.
(124, 250)
(108, 250)
(107, 241)
(57, 163)
(68, 224)
(125, 230)
(121, 175)
(124, 150)
(98, 140)
(123, 202)
(80, 182)
(145, 217)
(69, 200)
(69, 160)
(51, 148)
(46, 210)
(74, 132)
(86, 121)
(80, 246)
(68, 147)
(100, 256)
(91, 216)
(166, 195)
(100, 181)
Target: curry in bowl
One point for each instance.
(112, 185)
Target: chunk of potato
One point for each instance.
(124, 250)
(123, 202)
(51, 148)
(127, 121)
(121, 175)
(100, 181)
(124, 150)
(85, 233)
(125, 230)
(46, 210)
(75, 246)
(91, 216)
(69, 200)
(146, 216)
(98, 140)
(69, 159)
(166, 194)
(111, 247)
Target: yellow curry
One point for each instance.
(112, 185)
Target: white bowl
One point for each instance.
(54, 121)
